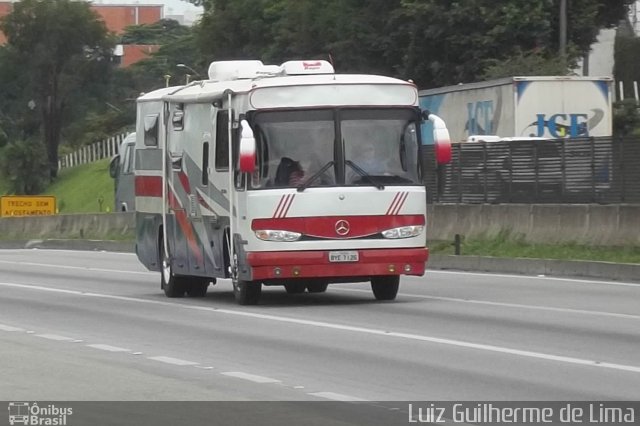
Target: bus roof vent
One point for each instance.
(234, 70)
(307, 67)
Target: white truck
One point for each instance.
(515, 107)
(258, 174)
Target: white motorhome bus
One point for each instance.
(259, 174)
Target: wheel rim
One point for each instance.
(166, 268)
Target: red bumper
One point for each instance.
(313, 264)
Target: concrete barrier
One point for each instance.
(610, 225)
(99, 226)
(584, 224)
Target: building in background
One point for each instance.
(117, 17)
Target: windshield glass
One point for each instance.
(327, 147)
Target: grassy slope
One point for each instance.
(505, 245)
(77, 189)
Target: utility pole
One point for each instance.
(563, 30)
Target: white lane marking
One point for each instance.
(9, 328)
(507, 305)
(81, 268)
(250, 377)
(56, 337)
(108, 348)
(336, 397)
(544, 278)
(173, 361)
(333, 326)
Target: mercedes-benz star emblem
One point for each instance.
(342, 227)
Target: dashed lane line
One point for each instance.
(250, 377)
(172, 361)
(10, 328)
(56, 337)
(108, 348)
(336, 397)
(363, 330)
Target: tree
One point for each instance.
(59, 47)
(433, 42)
(452, 42)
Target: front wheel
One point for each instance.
(247, 292)
(385, 287)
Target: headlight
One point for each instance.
(271, 235)
(403, 232)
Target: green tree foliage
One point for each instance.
(24, 166)
(177, 45)
(61, 50)
(162, 32)
(627, 61)
(433, 42)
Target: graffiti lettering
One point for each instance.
(480, 118)
(561, 125)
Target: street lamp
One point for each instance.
(187, 67)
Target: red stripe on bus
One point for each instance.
(393, 203)
(148, 186)
(400, 203)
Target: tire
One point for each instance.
(247, 292)
(294, 287)
(317, 286)
(198, 287)
(385, 287)
(173, 286)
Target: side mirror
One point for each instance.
(114, 165)
(441, 139)
(247, 151)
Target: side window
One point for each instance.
(222, 140)
(177, 117)
(205, 163)
(151, 130)
(128, 159)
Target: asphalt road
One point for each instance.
(77, 326)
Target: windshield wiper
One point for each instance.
(364, 174)
(315, 176)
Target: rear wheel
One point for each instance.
(247, 292)
(385, 287)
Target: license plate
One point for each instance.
(343, 256)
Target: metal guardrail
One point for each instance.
(586, 170)
(105, 148)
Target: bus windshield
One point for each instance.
(336, 147)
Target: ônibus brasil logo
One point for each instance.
(31, 414)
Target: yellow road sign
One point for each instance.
(27, 205)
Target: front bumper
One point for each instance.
(316, 264)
